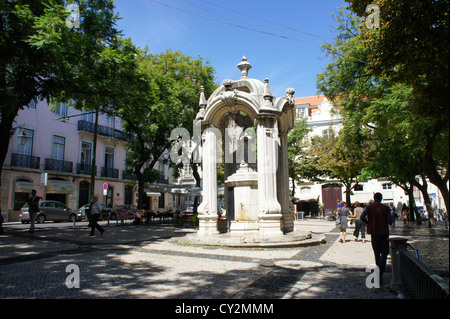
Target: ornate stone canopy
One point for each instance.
(256, 193)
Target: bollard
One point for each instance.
(396, 244)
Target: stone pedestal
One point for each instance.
(207, 225)
(245, 184)
(270, 225)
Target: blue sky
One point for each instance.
(280, 38)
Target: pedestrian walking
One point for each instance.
(359, 225)
(392, 208)
(377, 217)
(343, 213)
(405, 215)
(33, 209)
(96, 210)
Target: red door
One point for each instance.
(330, 195)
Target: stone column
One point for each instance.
(283, 185)
(269, 210)
(208, 208)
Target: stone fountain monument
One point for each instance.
(252, 125)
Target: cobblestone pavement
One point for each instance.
(131, 261)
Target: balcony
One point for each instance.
(25, 161)
(58, 165)
(110, 172)
(85, 126)
(85, 169)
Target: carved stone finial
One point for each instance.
(268, 96)
(244, 66)
(202, 101)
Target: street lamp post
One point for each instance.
(93, 167)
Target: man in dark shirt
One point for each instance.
(33, 209)
(377, 216)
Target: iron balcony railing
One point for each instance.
(56, 165)
(25, 161)
(86, 126)
(85, 169)
(110, 172)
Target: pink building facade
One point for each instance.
(51, 151)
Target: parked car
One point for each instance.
(126, 211)
(189, 210)
(50, 210)
(105, 212)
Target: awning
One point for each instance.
(23, 187)
(151, 193)
(59, 187)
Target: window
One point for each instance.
(305, 190)
(109, 157)
(300, 112)
(48, 204)
(60, 205)
(61, 109)
(387, 186)
(85, 158)
(110, 122)
(88, 117)
(25, 142)
(359, 187)
(58, 147)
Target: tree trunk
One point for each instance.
(141, 183)
(413, 212)
(432, 172)
(6, 125)
(427, 201)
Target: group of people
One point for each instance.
(376, 217)
(343, 213)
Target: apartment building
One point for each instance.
(320, 117)
(51, 151)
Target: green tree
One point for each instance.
(341, 159)
(302, 165)
(42, 54)
(380, 108)
(411, 47)
(174, 81)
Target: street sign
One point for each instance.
(105, 186)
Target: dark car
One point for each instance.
(50, 210)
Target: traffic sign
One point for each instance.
(105, 186)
